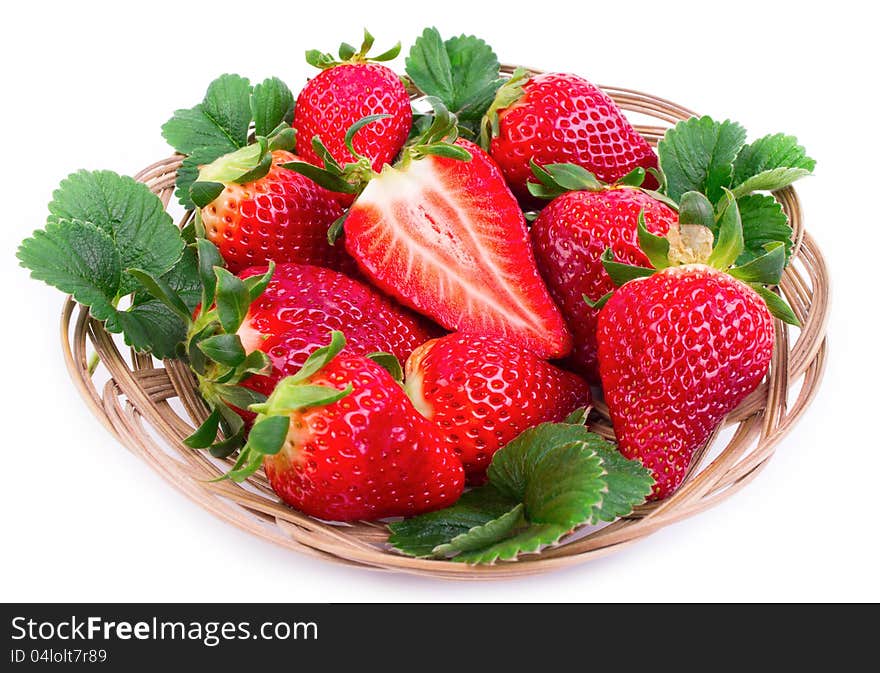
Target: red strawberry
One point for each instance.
(282, 216)
(559, 118)
(570, 236)
(446, 237)
(681, 347)
(353, 447)
(483, 391)
(303, 303)
(345, 92)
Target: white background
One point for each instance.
(87, 85)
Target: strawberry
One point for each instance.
(568, 239)
(483, 391)
(345, 91)
(282, 216)
(441, 233)
(560, 118)
(681, 347)
(302, 303)
(341, 441)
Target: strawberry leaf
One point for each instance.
(102, 224)
(219, 123)
(763, 222)
(528, 540)
(420, 535)
(143, 234)
(485, 535)
(698, 154)
(546, 482)
(770, 163)
(463, 72)
(271, 104)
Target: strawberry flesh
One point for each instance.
(447, 238)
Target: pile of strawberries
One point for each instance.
(392, 289)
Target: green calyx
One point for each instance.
(348, 54)
(240, 166)
(711, 236)
(506, 95)
(351, 178)
(212, 346)
(293, 393)
(556, 179)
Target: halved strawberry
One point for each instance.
(442, 233)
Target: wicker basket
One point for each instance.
(151, 406)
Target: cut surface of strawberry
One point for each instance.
(447, 238)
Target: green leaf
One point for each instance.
(546, 482)
(389, 363)
(622, 273)
(529, 540)
(256, 285)
(188, 173)
(420, 535)
(766, 155)
(79, 259)
(771, 180)
(485, 535)
(556, 179)
(327, 179)
(239, 396)
(233, 166)
(220, 122)
(208, 258)
(271, 104)
(695, 208)
(203, 193)
(627, 484)
(206, 433)
(224, 348)
(510, 91)
(564, 485)
(320, 357)
(87, 258)
(446, 150)
(291, 396)
(144, 234)
(149, 326)
(698, 154)
(729, 242)
(232, 298)
(764, 222)
(160, 290)
(634, 178)
(776, 304)
(766, 269)
(269, 434)
(577, 417)
(463, 72)
(656, 248)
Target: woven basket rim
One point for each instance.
(135, 405)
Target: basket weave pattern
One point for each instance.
(151, 406)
